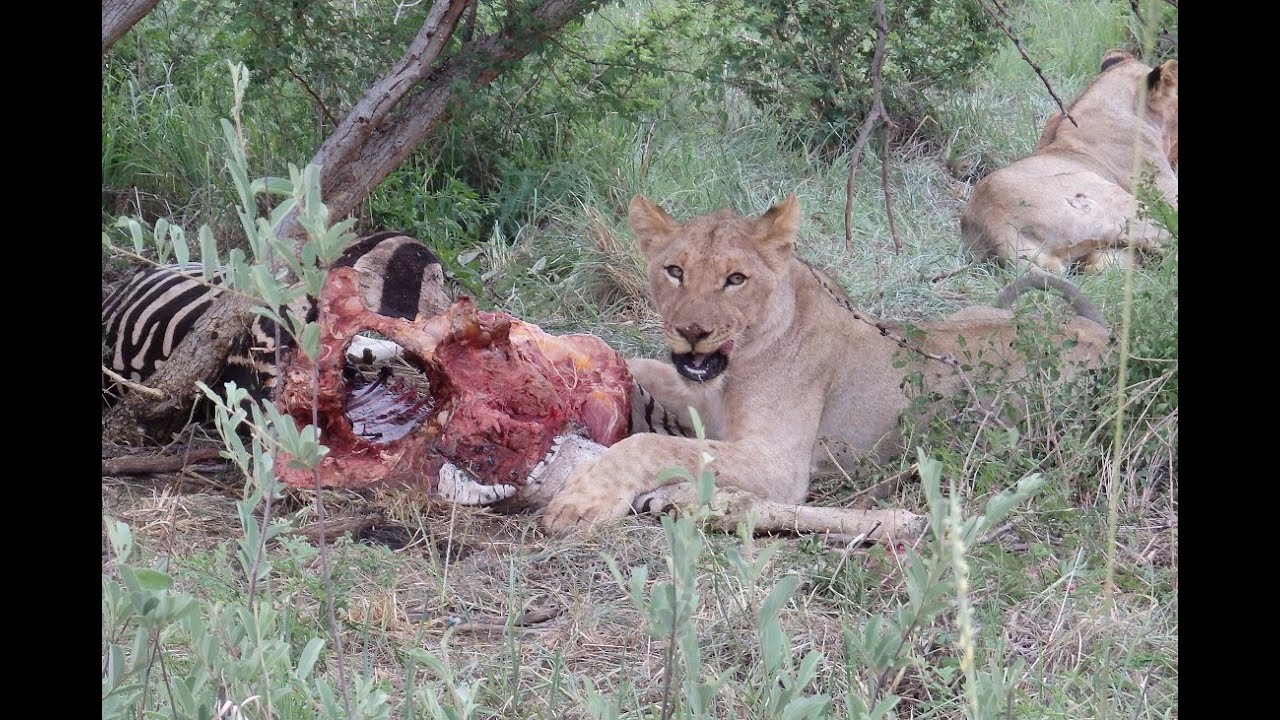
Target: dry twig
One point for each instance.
(1017, 44)
(150, 464)
(875, 116)
(139, 387)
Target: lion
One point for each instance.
(782, 369)
(1073, 202)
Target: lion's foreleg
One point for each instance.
(607, 486)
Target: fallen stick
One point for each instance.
(525, 622)
(335, 527)
(150, 464)
(730, 507)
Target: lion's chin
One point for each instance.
(700, 367)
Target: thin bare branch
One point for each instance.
(135, 386)
(884, 186)
(314, 96)
(606, 64)
(875, 115)
(885, 331)
(1018, 44)
(325, 571)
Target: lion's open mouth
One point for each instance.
(700, 367)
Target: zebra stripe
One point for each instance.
(399, 276)
(647, 415)
(147, 318)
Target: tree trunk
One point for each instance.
(120, 15)
(383, 127)
(400, 110)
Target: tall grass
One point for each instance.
(427, 599)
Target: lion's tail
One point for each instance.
(1037, 279)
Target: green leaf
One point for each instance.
(778, 597)
(806, 707)
(309, 341)
(135, 233)
(307, 660)
(120, 538)
(673, 473)
(883, 707)
(129, 578)
(181, 253)
(115, 666)
(183, 698)
(208, 253)
(153, 580)
(138, 652)
(271, 185)
(161, 232)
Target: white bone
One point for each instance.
(372, 351)
(458, 487)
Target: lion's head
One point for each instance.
(1115, 93)
(715, 280)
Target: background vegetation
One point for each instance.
(699, 105)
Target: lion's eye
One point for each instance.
(735, 279)
(675, 271)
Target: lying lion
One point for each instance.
(1072, 201)
(780, 366)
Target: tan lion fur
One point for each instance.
(1072, 199)
(806, 371)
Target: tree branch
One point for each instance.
(314, 96)
(134, 386)
(884, 186)
(607, 64)
(877, 114)
(149, 464)
(1005, 29)
(120, 15)
(200, 356)
(395, 114)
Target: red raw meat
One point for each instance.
(501, 390)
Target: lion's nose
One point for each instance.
(692, 333)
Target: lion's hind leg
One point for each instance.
(1019, 248)
(1110, 259)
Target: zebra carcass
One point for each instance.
(508, 412)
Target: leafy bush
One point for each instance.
(812, 58)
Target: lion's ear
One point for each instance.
(1162, 86)
(651, 225)
(1113, 57)
(779, 224)
(1164, 78)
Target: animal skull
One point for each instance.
(509, 406)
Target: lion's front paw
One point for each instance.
(588, 497)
